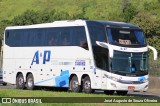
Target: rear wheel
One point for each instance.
(122, 92)
(109, 92)
(87, 85)
(30, 82)
(20, 82)
(74, 86)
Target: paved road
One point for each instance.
(7, 86)
(139, 94)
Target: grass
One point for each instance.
(43, 93)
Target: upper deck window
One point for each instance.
(97, 33)
(55, 36)
(121, 36)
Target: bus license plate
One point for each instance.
(131, 88)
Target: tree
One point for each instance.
(3, 25)
(27, 18)
(81, 15)
(148, 22)
(128, 10)
(155, 42)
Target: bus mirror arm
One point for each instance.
(105, 45)
(155, 53)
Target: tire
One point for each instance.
(109, 92)
(74, 86)
(30, 82)
(4, 84)
(87, 85)
(20, 82)
(122, 93)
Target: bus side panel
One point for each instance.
(52, 66)
(9, 71)
(8, 65)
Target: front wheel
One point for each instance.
(109, 92)
(122, 93)
(30, 82)
(20, 82)
(4, 84)
(87, 85)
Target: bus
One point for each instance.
(80, 55)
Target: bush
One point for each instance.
(154, 67)
(148, 22)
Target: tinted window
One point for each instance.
(97, 33)
(125, 62)
(58, 36)
(126, 36)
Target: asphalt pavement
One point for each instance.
(7, 86)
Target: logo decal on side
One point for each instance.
(80, 63)
(46, 57)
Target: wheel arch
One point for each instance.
(72, 76)
(83, 76)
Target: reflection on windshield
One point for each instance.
(129, 62)
(125, 36)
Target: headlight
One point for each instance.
(114, 79)
(111, 77)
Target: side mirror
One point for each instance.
(105, 45)
(155, 53)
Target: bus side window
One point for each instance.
(65, 37)
(65, 41)
(7, 34)
(7, 38)
(53, 40)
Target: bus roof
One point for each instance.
(74, 23)
(115, 24)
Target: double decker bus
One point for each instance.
(81, 55)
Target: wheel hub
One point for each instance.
(30, 82)
(75, 84)
(87, 85)
(20, 81)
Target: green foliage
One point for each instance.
(155, 42)
(154, 67)
(35, 17)
(128, 10)
(28, 17)
(3, 25)
(148, 22)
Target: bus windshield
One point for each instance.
(128, 37)
(125, 62)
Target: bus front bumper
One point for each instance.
(114, 85)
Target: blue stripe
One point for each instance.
(44, 80)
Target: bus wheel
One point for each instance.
(87, 85)
(74, 87)
(20, 82)
(30, 82)
(4, 84)
(122, 92)
(109, 92)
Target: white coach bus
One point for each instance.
(82, 55)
